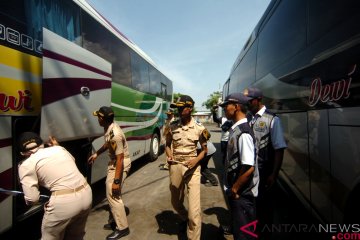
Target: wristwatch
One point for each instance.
(117, 181)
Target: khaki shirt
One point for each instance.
(167, 125)
(53, 168)
(185, 139)
(116, 142)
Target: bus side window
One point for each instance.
(279, 40)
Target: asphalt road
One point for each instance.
(150, 214)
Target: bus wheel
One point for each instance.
(154, 147)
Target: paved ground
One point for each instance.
(146, 195)
(151, 217)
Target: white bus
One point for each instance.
(59, 61)
(305, 57)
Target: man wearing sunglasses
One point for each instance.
(183, 160)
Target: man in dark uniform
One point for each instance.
(241, 173)
(270, 144)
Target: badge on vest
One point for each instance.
(260, 126)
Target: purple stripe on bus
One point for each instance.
(55, 89)
(137, 138)
(5, 142)
(62, 58)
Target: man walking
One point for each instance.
(183, 160)
(118, 168)
(170, 118)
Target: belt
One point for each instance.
(182, 158)
(68, 191)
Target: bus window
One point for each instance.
(279, 40)
(324, 16)
(140, 73)
(163, 90)
(100, 41)
(58, 16)
(155, 79)
(169, 90)
(245, 69)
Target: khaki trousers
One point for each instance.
(181, 176)
(65, 215)
(117, 206)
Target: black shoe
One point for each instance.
(118, 234)
(215, 184)
(226, 229)
(183, 226)
(110, 226)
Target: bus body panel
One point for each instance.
(20, 83)
(75, 83)
(5, 172)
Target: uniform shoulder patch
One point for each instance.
(111, 134)
(206, 134)
(113, 145)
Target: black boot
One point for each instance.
(118, 234)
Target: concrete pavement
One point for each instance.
(146, 195)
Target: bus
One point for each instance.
(59, 61)
(305, 57)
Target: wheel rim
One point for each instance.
(155, 146)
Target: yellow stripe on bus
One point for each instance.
(20, 60)
(19, 98)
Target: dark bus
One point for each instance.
(305, 57)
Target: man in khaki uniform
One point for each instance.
(118, 168)
(170, 118)
(54, 168)
(183, 159)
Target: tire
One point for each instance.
(154, 147)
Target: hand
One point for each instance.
(270, 182)
(234, 194)
(190, 163)
(169, 160)
(53, 141)
(115, 190)
(92, 158)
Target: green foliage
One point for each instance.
(212, 100)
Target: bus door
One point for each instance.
(75, 83)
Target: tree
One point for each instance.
(212, 100)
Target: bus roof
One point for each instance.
(103, 21)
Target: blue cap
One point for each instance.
(253, 93)
(235, 98)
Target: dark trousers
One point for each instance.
(223, 147)
(205, 171)
(265, 206)
(243, 212)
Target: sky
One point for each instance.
(193, 42)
